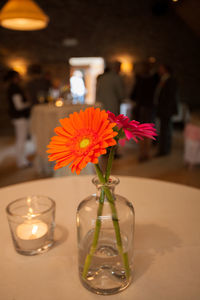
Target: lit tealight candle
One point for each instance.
(59, 102)
(31, 221)
(32, 230)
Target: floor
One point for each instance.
(169, 168)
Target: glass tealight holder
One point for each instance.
(32, 222)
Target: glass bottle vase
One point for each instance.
(105, 229)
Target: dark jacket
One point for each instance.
(168, 99)
(143, 95)
(143, 90)
(14, 89)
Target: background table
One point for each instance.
(44, 118)
(167, 243)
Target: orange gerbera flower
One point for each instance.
(83, 137)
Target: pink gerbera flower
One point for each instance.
(133, 129)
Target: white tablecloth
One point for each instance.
(44, 118)
(166, 251)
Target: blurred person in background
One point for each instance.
(77, 87)
(39, 84)
(55, 90)
(143, 96)
(166, 102)
(110, 91)
(19, 110)
(110, 88)
(192, 140)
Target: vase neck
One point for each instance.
(111, 184)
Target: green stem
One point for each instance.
(109, 165)
(96, 236)
(117, 231)
(100, 174)
(114, 212)
(114, 219)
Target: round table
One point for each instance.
(166, 250)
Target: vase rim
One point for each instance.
(111, 181)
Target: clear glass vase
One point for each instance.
(105, 228)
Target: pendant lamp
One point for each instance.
(23, 15)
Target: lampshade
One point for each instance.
(23, 15)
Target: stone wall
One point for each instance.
(108, 29)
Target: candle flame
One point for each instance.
(59, 103)
(30, 210)
(35, 228)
